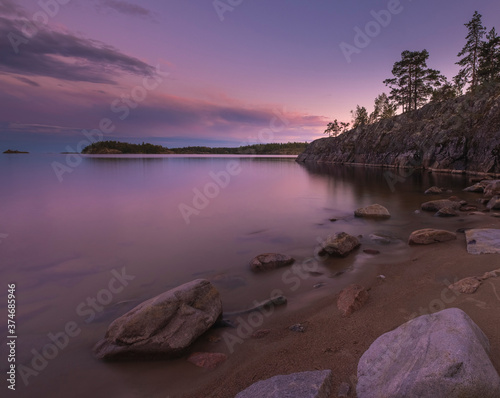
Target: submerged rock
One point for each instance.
(373, 211)
(339, 244)
(315, 384)
(270, 261)
(436, 205)
(351, 299)
(165, 325)
(478, 187)
(207, 360)
(433, 191)
(444, 354)
(429, 235)
(446, 212)
(466, 285)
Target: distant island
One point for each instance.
(117, 148)
(14, 151)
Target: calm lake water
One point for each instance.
(161, 221)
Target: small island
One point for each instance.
(118, 148)
(14, 151)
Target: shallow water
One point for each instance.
(63, 243)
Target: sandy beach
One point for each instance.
(412, 287)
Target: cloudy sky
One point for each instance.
(204, 72)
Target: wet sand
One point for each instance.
(412, 287)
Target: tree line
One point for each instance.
(414, 84)
(104, 147)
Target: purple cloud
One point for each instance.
(127, 8)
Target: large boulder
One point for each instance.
(165, 325)
(373, 211)
(439, 355)
(436, 205)
(429, 235)
(351, 299)
(315, 384)
(269, 261)
(339, 244)
(483, 241)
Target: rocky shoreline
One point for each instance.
(185, 310)
(461, 135)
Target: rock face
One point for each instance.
(269, 261)
(351, 299)
(429, 235)
(456, 135)
(439, 355)
(483, 241)
(340, 244)
(373, 211)
(316, 384)
(436, 205)
(433, 191)
(165, 325)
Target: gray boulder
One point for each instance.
(315, 384)
(269, 261)
(165, 325)
(483, 241)
(439, 355)
(428, 235)
(373, 211)
(340, 244)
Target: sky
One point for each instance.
(204, 72)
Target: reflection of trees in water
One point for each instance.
(375, 182)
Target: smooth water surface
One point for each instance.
(149, 218)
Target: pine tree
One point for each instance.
(471, 51)
(489, 59)
(359, 117)
(383, 109)
(413, 81)
(333, 129)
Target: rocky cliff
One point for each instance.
(458, 135)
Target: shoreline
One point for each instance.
(412, 287)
